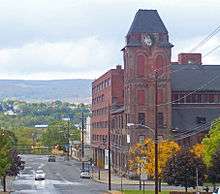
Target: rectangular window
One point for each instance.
(205, 98)
(174, 98)
(141, 118)
(141, 139)
(211, 98)
(160, 96)
(113, 123)
(188, 98)
(181, 98)
(193, 98)
(199, 98)
(122, 122)
(160, 119)
(141, 97)
(218, 98)
(140, 65)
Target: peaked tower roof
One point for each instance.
(147, 21)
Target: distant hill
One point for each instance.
(72, 90)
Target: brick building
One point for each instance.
(106, 91)
(188, 93)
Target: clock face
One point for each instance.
(147, 40)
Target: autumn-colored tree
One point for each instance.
(136, 154)
(198, 150)
(146, 150)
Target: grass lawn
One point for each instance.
(141, 192)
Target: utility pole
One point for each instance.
(109, 150)
(197, 181)
(82, 142)
(156, 133)
(68, 135)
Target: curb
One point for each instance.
(105, 182)
(113, 192)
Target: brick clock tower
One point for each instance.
(147, 50)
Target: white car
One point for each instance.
(217, 191)
(40, 175)
(85, 174)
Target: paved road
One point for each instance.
(61, 177)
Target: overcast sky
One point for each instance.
(68, 39)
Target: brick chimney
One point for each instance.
(118, 66)
(190, 58)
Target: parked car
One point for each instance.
(216, 191)
(40, 175)
(85, 174)
(51, 159)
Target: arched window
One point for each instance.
(159, 64)
(141, 97)
(140, 65)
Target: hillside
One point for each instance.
(72, 90)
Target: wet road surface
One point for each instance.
(61, 177)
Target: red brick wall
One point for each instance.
(114, 91)
(190, 58)
(153, 58)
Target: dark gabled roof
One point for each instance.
(191, 77)
(184, 117)
(147, 21)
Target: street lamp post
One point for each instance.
(68, 137)
(155, 133)
(109, 150)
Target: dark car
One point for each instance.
(51, 159)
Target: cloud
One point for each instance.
(85, 56)
(56, 39)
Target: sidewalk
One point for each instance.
(9, 181)
(116, 179)
(113, 192)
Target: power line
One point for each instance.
(194, 91)
(206, 39)
(184, 137)
(208, 53)
(212, 51)
(192, 130)
(198, 131)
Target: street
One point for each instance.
(61, 177)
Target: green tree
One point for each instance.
(24, 136)
(214, 168)
(16, 165)
(211, 142)
(181, 168)
(57, 133)
(7, 141)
